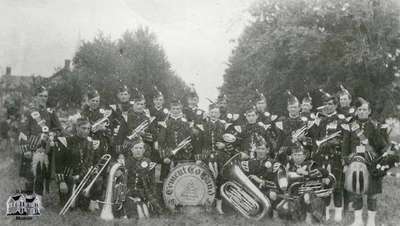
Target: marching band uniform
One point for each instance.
(37, 143)
(365, 138)
(176, 129)
(73, 160)
(329, 154)
(345, 109)
(141, 184)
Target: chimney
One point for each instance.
(67, 65)
(8, 70)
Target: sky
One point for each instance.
(198, 36)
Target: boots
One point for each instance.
(219, 206)
(338, 214)
(371, 218)
(358, 221)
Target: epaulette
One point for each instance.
(279, 125)
(183, 119)
(113, 106)
(229, 116)
(304, 119)
(341, 116)
(238, 128)
(245, 165)
(345, 127)
(222, 121)
(96, 144)
(35, 114)
(144, 164)
(274, 117)
(351, 110)
(63, 141)
(235, 117)
(267, 114)
(165, 110)
(263, 125)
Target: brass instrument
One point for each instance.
(92, 174)
(242, 194)
(115, 192)
(327, 138)
(141, 127)
(181, 145)
(105, 119)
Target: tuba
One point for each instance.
(242, 194)
(115, 192)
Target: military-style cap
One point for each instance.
(307, 99)
(122, 87)
(157, 93)
(260, 96)
(343, 91)
(326, 96)
(222, 97)
(292, 99)
(40, 89)
(92, 92)
(192, 91)
(361, 101)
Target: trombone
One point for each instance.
(327, 138)
(93, 171)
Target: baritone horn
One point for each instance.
(115, 192)
(242, 194)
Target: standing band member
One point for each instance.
(329, 153)
(345, 107)
(365, 139)
(37, 144)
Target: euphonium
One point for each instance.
(115, 191)
(242, 194)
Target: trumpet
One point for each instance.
(141, 127)
(93, 173)
(105, 119)
(327, 138)
(181, 145)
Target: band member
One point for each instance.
(261, 106)
(367, 140)
(176, 129)
(119, 118)
(226, 116)
(141, 182)
(137, 117)
(250, 130)
(73, 160)
(213, 150)
(329, 152)
(157, 108)
(37, 143)
(313, 206)
(345, 107)
(287, 129)
(93, 113)
(306, 108)
(101, 134)
(192, 112)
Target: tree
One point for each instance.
(304, 45)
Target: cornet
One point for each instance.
(140, 128)
(105, 119)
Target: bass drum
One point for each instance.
(357, 175)
(189, 184)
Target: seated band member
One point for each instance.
(73, 160)
(313, 207)
(141, 197)
(367, 140)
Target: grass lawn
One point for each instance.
(388, 214)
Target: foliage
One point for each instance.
(304, 45)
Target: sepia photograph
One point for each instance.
(200, 112)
